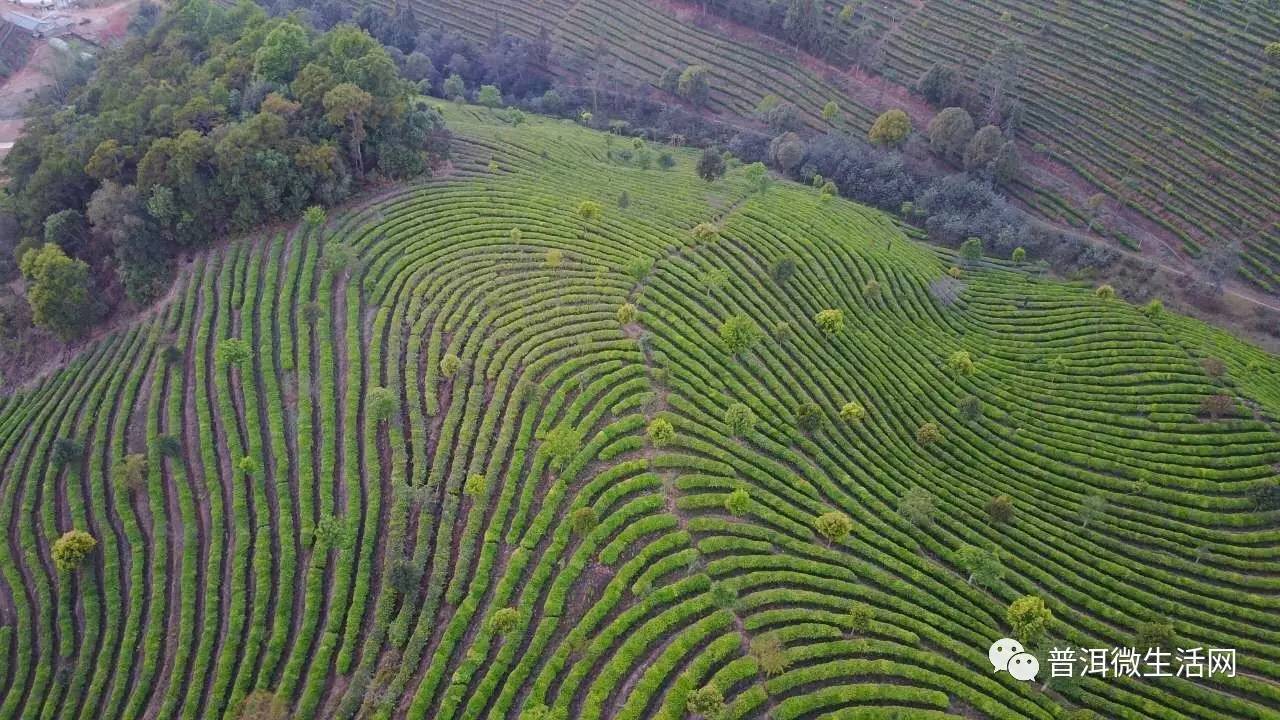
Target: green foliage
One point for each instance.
(1092, 507)
(928, 434)
(561, 444)
(969, 408)
(589, 210)
(504, 620)
(770, 654)
(983, 148)
(950, 132)
(809, 416)
(917, 506)
(129, 474)
(830, 321)
(961, 363)
(489, 96)
(70, 550)
(783, 269)
(314, 217)
(705, 232)
(627, 313)
(984, 566)
(739, 333)
(332, 533)
(711, 165)
(247, 466)
(382, 404)
(1000, 509)
(853, 412)
(454, 87)
(1029, 619)
(694, 85)
(661, 432)
(1018, 256)
(450, 364)
(583, 520)
(833, 526)
(234, 351)
(723, 595)
(67, 452)
(860, 617)
(338, 258)
(404, 576)
(890, 129)
(740, 419)
(940, 84)
(830, 111)
(971, 250)
(58, 291)
(707, 702)
(555, 258)
(738, 502)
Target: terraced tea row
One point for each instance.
(487, 449)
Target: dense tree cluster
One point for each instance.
(214, 121)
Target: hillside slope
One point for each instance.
(356, 566)
(1165, 109)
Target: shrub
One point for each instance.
(950, 132)
(70, 550)
(770, 654)
(331, 533)
(739, 333)
(404, 576)
(561, 444)
(67, 451)
(783, 269)
(808, 416)
(738, 502)
(782, 331)
(589, 210)
(247, 466)
(1000, 509)
(555, 258)
(661, 432)
(583, 520)
(723, 595)
(1105, 292)
(917, 506)
(1218, 405)
(311, 312)
(313, 217)
(983, 148)
(1029, 618)
(234, 351)
(474, 486)
(1153, 309)
(971, 250)
(130, 473)
(1018, 256)
(890, 129)
(928, 434)
(871, 290)
(940, 84)
(740, 419)
(1092, 507)
(707, 702)
(860, 617)
(969, 408)
(382, 404)
(489, 96)
(711, 165)
(704, 232)
(830, 321)
(983, 566)
(504, 620)
(833, 526)
(853, 412)
(450, 364)
(961, 362)
(627, 313)
(693, 85)
(1272, 51)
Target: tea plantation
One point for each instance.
(551, 435)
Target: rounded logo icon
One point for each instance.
(1024, 666)
(1000, 652)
